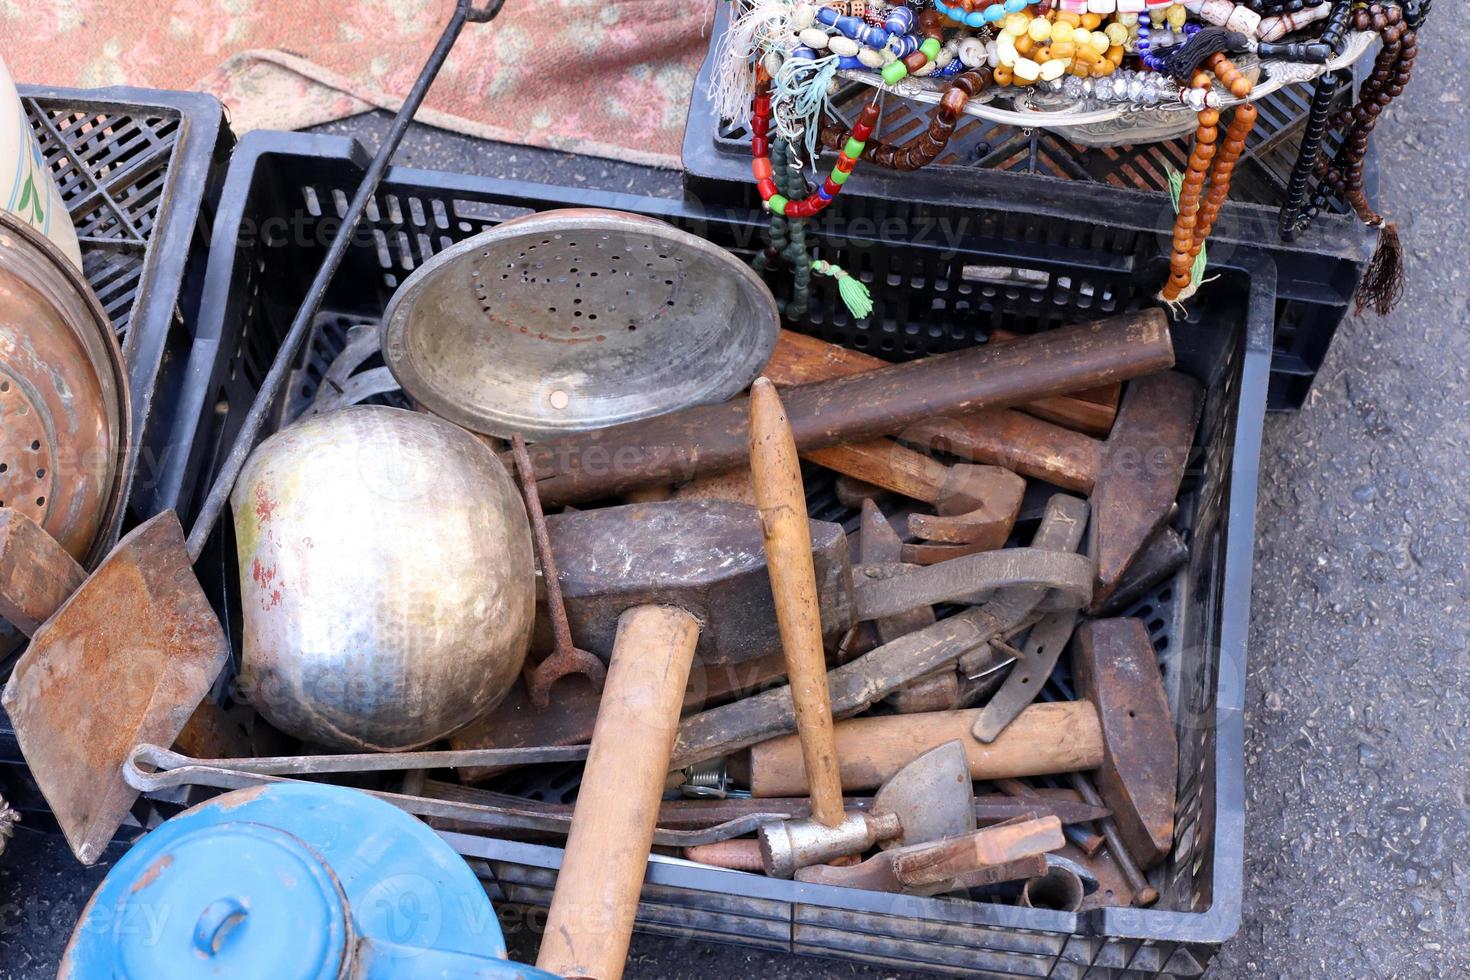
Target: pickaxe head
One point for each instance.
(1114, 667)
(1139, 470)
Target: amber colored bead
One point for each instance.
(953, 102)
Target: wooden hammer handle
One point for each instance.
(1029, 446)
(1058, 737)
(884, 463)
(799, 359)
(590, 922)
(776, 478)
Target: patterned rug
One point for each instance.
(607, 77)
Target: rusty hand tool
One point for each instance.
(945, 865)
(1088, 843)
(716, 814)
(1114, 667)
(1163, 555)
(517, 722)
(1035, 660)
(712, 438)
(1122, 729)
(1062, 523)
(707, 556)
(1143, 894)
(929, 799)
(781, 499)
(879, 544)
(564, 658)
(799, 359)
(861, 683)
(131, 654)
(977, 505)
(1024, 578)
(1132, 476)
(458, 805)
(590, 922)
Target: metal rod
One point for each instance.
(244, 442)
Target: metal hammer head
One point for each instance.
(703, 556)
(1139, 470)
(1114, 667)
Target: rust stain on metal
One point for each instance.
(125, 660)
(155, 869)
(265, 506)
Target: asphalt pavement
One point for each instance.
(1358, 828)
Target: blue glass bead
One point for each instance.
(1015, 6)
(851, 26)
(827, 15)
(874, 37)
(994, 13)
(975, 18)
(802, 53)
(903, 45)
(846, 61)
(900, 20)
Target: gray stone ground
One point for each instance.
(1358, 833)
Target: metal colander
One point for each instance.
(64, 421)
(577, 319)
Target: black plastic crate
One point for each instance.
(138, 170)
(1037, 187)
(934, 298)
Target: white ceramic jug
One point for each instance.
(26, 187)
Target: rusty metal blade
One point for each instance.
(1141, 469)
(125, 660)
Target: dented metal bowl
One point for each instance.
(64, 413)
(386, 577)
(577, 319)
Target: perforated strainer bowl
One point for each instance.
(577, 319)
(64, 420)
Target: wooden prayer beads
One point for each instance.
(1212, 161)
(924, 148)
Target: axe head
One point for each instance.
(932, 797)
(706, 557)
(1114, 667)
(1140, 469)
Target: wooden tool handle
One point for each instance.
(927, 864)
(1017, 441)
(885, 463)
(1058, 737)
(590, 922)
(681, 445)
(776, 477)
(799, 359)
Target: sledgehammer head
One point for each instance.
(1114, 667)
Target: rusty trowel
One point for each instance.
(131, 654)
